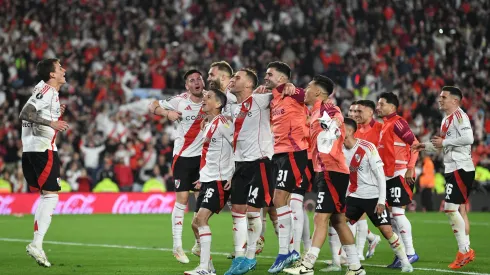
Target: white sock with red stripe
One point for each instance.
(239, 233)
(362, 232)
(335, 245)
(44, 211)
(177, 224)
(205, 238)
(458, 226)
(284, 219)
(298, 220)
(263, 218)
(399, 249)
(276, 227)
(370, 235)
(306, 231)
(394, 225)
(254, 229)
(353, 228)
(405, 228)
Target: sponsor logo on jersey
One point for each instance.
(27, 124)
(39, 96)
(278, 112)
(188, 108)
(195, 117)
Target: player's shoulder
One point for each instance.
(222, 120)
(331, 109)
(367, 146)
(41, 90)
(181, 96)
(460, 115)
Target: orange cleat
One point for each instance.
(462, 259)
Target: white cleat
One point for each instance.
(361, 258)
(199, 271)
(407, 268)
(301, 269)
(180, 255)
(260, 245)
(196, 249)
(372, 246)
(38, 255)
(360, 271)
(332, 268)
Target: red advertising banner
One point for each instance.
(92, 203)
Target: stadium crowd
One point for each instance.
(111, 48)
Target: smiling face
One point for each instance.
(311, 93)
(363, 114)
(273, 78)
(214, 78)
(209, 102)
(352, 111)
(240, 82)
(383, 108)
(447, 101)
(195, 84)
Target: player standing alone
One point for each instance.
(455, 142)
(40, 161)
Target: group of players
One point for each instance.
(265, 147)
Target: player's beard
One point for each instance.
(215, 84)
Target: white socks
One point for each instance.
(458, 226)
(306, 232)
(353, 228)
(352, 256)
(205, 238)
(397, 247)
(239, 233)
(284, 219)
(335, 245)
(42, 217)
(298, 220)
(311, 257)
(370, 235)
(263, 217)
(254, 229)
(362, 232)
(405, 228)
(177, 224)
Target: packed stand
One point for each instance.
(411, 47)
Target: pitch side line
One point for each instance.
(214, 253)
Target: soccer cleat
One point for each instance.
(211, 266)
(196, 249)
(413, 258)
(38, 255)
(462, 259)
(407, 268)
(359, 271)
(260, 245)
(282, 261)
(231, 256)
(301, 269)
(472, 255)
(372, 246)
(180, 255)
(361, 258)
(199, 271)
(332, 268)
(245, 266)
(396, 263)
(234, 264)
(293, 257)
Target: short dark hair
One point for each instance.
(354, 103)
(252, 75)
(45, 67)
(220, 96)
(350, 122)
(390, 98)
(367, 103)
(324, 83)
(223, 66)
(189, 72)
(280, 67)
(455, 91)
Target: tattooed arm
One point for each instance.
(29, 113)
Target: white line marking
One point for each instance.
(446, 222)
(214, 253)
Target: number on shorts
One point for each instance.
(449, 189)
(396, 192)
(254, 192)
(384, 215)
(320, 197)
(209, 193)
(283, 175)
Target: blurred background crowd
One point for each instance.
(120, 53)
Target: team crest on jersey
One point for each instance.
(213, 126)
(246, 104)
(39, 96)
(177, 183)
(358, 157)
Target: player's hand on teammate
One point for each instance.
(197, 185)
(289, 90)
(261, 90)
(227, 185)
(437, 141)
(410, 176)
(62, 109)
(418, 147)
(380, 208)
(59, 125)
(174, 115)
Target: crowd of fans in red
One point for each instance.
(110, 48)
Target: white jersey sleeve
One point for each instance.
(217, 153)
(230, 101)
(172, 103)
(458, 138)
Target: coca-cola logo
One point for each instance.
(5, 203)
(74, 204)
(154, 204)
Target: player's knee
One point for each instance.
(386, 230)
(182, 197)
(201, 220)
(450, 207)
(320, 220)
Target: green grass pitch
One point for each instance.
(141, 244)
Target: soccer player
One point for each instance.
(367, 188)
(399, 162)
(186, 109)
(455, 142)
(290, 158)
(369, 130)
(253, 148)
(352, 110)
(216, 169)
(332, 176)
(40, 161)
